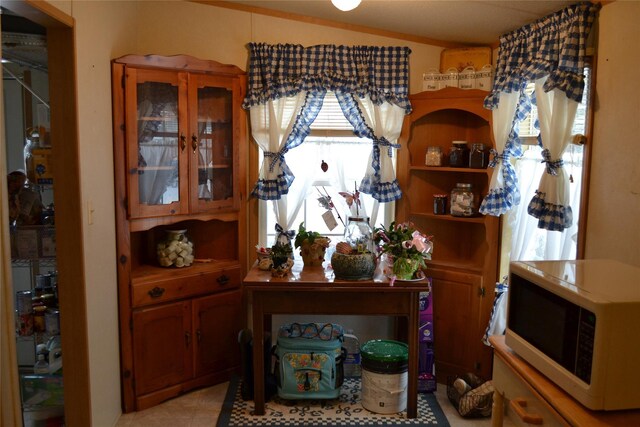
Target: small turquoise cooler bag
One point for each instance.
(309, 360)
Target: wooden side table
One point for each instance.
(314, 290)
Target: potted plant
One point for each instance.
(406, 248)
(281, 254)
(312, 246)
(353, 261)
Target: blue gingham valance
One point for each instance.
(554, 46)
(281, 70)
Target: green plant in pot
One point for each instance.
(406, 248)
(312, 246)
(281, 255)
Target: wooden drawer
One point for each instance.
(188, 284)
(522, 405)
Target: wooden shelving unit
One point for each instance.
(464, 267)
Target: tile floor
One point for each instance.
(201, 408)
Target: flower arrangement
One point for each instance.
(407, 247)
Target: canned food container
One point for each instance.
(52, 321)
(23, 302)
(431, 80)
(384, 376)
(449, 78)
(467, 78)
(43, 281)
(483, 78)
(38, 318)
(24, 313)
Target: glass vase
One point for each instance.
(176, 250)
(358, 234)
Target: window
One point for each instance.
(331, 140)
(521, 238)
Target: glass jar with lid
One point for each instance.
(459, 155)
(175, 250)
(433, 156)
(478, 157)
(358, 233)
(464, 201)
(440, 204)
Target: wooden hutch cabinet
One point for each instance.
(180, 164)
(464, 263)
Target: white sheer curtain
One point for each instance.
(503, 191)
(528, 241)
(556, 113)
(386, 122)
(271, 125)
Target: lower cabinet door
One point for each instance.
(456, 309)
(162, 346)
(217, 320)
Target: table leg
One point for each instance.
(497, 412)
(258, 357)
(412, 371)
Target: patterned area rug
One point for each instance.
(344, 411)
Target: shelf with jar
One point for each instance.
(437, 175)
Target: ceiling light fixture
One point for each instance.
(345, 5)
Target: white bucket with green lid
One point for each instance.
(384, 376)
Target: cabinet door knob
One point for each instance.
(187, 338)
(156, 292)
(194, 143)
(183, 142)
(199, 335)
(223, 280)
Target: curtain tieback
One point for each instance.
(274, 158)
(552, 165)
(288, 235)
(504, 157)
(384, 142)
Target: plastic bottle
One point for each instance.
(41, 366)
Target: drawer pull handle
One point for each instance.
(223, 280)
(156, 292)
(519, 405)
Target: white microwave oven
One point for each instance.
(578, 323)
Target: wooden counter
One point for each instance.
(564, 409)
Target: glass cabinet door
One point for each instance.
(213, 154)
(156, 142)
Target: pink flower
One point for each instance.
(422, 244)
